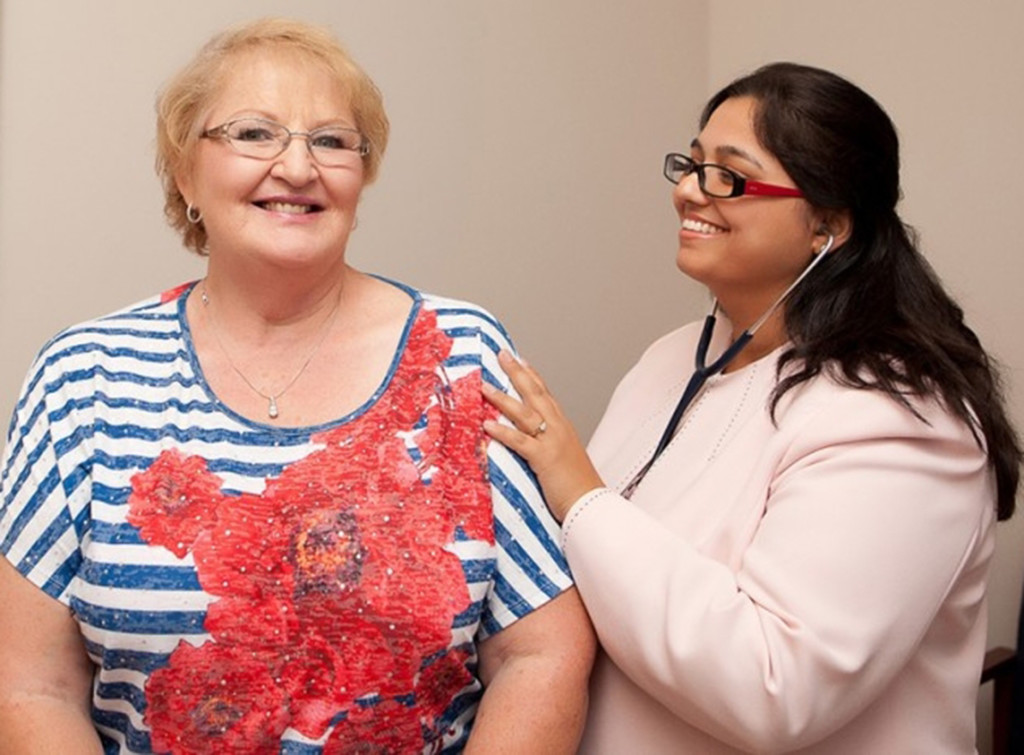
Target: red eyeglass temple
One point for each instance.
(770, 190)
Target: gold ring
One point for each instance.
(543, 426)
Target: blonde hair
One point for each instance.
(187, 98)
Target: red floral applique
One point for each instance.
(270, 622)
(318, 683)
(215, 698)
(173, 293)
(242, 554)
(335, 589)
(442, 679)
(173, 501)
(374, 730)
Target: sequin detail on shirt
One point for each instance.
(335, 591)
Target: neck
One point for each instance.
(256, 301)
(768, 337)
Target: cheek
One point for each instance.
(222, 181)
(347, 189)
(789, 228)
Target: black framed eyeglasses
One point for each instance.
(721, 182)
(262, 139)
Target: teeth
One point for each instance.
(295, 209)
(700, 227)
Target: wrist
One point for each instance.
(565, 503)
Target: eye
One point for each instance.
(685, 166)
(725, 176)
(252, 131)
(335, 139)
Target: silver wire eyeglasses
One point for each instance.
(330, 146)
(719, 181)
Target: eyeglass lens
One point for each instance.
(715, 180)
(265, 140)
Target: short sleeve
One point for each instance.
(531, 568)
(40, 524)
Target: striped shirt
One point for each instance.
(244, 587)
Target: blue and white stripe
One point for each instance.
(105, 398)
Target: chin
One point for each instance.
(685, 265)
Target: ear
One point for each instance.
(836, 223)
(183, 179)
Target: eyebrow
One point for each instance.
(336, 122)
(728, 150)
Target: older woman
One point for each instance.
(259, 513)
(787, 548)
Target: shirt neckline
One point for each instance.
(302, 430)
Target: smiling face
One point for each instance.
(288, 210)
(746, 249)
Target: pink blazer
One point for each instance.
(815, 585)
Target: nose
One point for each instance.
(295, 165)
(688, 191)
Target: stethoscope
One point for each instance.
(702, 371)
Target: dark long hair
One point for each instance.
(875, 314)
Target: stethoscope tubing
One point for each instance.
(702, 371)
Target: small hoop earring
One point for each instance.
(192, 214)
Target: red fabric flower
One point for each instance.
(385, 728)
(215, 698)
(269, 623)
(322, 534)
(173, 293)
(439, 682)
(173, 501)
(337, 587)
(319, 686)
(244, 555)
(461, 453)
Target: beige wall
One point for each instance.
(951, 75)
(524, 169)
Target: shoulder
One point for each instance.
(664, 365)
(475, 332)
(643, 398)
(457, 316)
(476, 336)
(674, 350)
(824, 412)
(452, 314)
(146, 319)
(121, 342)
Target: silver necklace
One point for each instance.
(272, 409)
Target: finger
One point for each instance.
(526, 419)
(528, 368)
(506, 404)
(517, 372)
(525, 379)
(510, 437)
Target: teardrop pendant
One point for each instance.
(272, 408)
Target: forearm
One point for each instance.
(36, 725)
(45, 674)
(531, 705)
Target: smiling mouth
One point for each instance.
(699, 226)
(289, 208)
